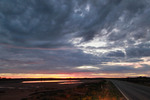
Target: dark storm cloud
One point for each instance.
(33, 23)
(116, 54)
(133, 60)
(138, 52)
(125, 69)
(48, 23)
(117, 69)
(26, 61)
(141, 50)
(34, 31)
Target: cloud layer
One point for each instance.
(51, 36)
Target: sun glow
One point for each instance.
(73, 75)
(23, 75)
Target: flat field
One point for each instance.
(87, 89)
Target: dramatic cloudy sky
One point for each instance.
(74, 38)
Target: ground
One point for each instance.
(88, 90)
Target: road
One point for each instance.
(132, 91)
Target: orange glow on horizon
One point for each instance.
(22, 75)
(73, 75)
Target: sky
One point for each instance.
(74, 38)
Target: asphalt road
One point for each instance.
(133, 91)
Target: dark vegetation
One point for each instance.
(102, 89)
(85, 91)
